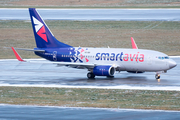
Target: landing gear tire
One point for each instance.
(110, 76)
(157, 76)
(90, 75)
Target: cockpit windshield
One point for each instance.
(162, 58)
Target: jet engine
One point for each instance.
(104, 71)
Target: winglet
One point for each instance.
(134, 46)
(17, 55)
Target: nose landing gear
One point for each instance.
(157, 76)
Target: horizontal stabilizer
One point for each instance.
(29, 50)
(26, 49)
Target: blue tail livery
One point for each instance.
(43, 36)
(98, 61)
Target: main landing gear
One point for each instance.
(157, 76)
(90, 75)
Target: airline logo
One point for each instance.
(82, 56)
(40, 29)
(78, 55)
(120, 56)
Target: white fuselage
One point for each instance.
(126, 59)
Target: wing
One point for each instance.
(68, 64)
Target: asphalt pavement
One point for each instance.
(23, 112)
(95, 14)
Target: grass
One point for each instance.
(90, 4)
(102, 98)
(95, 7)
(59, 24)
(161, 36)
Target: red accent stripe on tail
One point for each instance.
(42, 34)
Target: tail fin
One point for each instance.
(43, 36)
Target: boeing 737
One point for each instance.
(98, 61)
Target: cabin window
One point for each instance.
(166, 57)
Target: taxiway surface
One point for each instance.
(15, 73)
(95, 14)
(19, 112)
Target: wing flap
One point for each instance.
(68, 64)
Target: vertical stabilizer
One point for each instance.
(43, 36)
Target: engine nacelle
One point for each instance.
(104, 71)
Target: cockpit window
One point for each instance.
(162, 58)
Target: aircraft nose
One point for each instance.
(172, 64)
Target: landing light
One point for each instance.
(114, 65)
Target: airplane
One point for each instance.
(98, 61)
